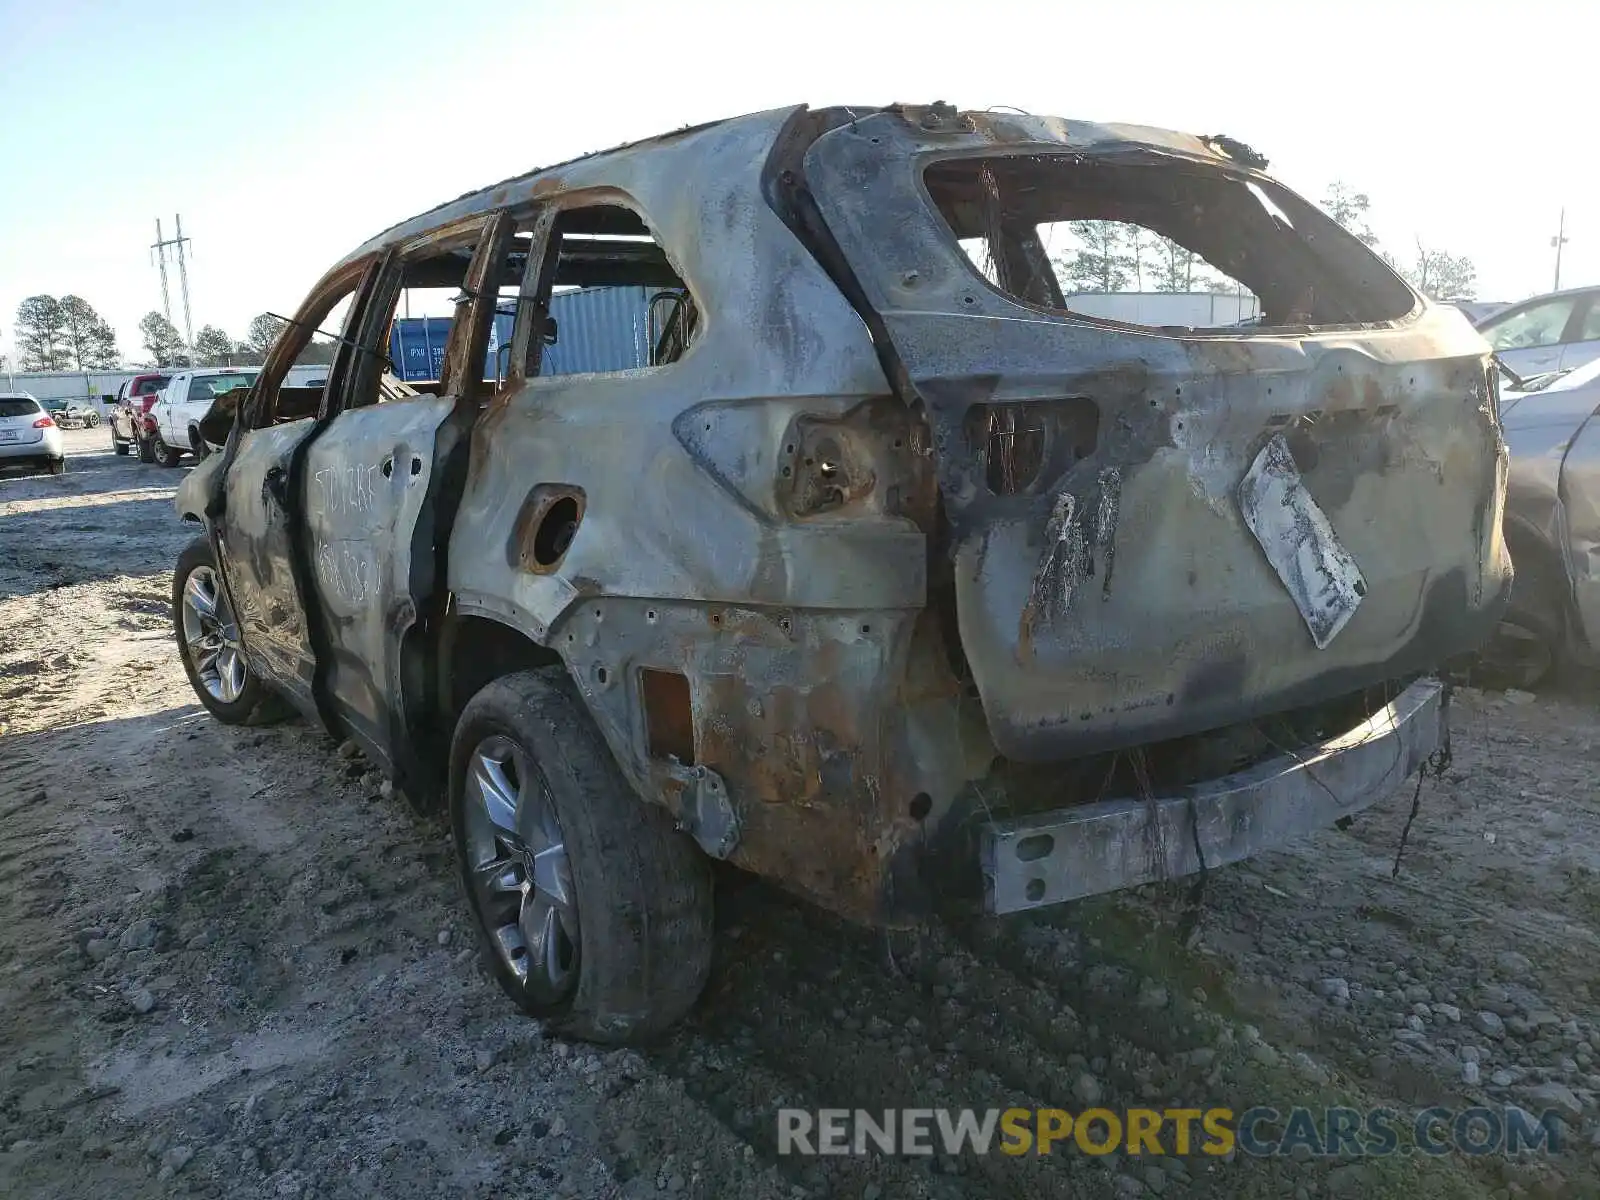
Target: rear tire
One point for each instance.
(147, 452)
(638, 959)
(58, 466)
(166, 455)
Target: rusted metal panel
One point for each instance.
(367, 482)
(255, 544)
(1391, 421)
(1029, 862)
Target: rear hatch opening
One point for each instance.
(1155, 531)
(1054, 231)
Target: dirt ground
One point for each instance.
(232, 964)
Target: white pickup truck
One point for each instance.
(172, 426)
(173, 422)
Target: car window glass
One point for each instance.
(1589, 331)
(1536, 325)
(18, 406)
(209, 387)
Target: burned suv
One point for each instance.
(842, 546)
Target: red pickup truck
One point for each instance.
(128, 424)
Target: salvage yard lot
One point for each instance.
(231, 963)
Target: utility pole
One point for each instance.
(183, 283)
(1559, 241)
(160, 248)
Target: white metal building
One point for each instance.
(67, 385)
(1192, 310)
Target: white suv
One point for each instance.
(28, 434)
(176, 414)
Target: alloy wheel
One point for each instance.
(212, 636)
(519, 870)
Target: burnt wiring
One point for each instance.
(1155, 836)
(1194, 902)
(1438, 763)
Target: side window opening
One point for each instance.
(604, 297)
(1147, 240)
(292, 386)
(432, 296)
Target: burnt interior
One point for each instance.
(1304, 269)
(1023, 445)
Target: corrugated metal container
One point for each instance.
(597, 329)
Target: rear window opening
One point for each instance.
(19, 406)
(1146, 240)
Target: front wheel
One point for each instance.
(118, 446)
(209, 643)
(593, 911)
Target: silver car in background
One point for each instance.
(29, 434)
(1552, 525)
(1559, 331)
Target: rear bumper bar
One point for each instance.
(1051, 857)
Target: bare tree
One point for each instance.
(1350, 208)
(1440, 275)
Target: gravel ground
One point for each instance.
(232, 964)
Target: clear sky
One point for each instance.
(288, 132)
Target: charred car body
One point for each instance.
(890, 578)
